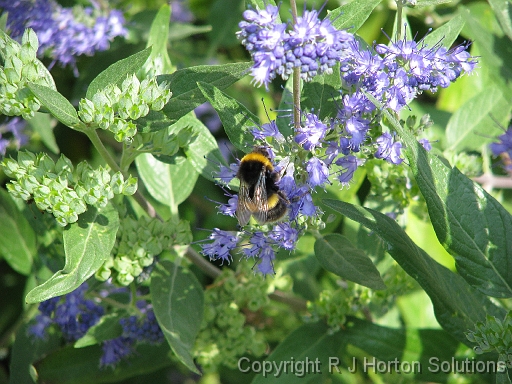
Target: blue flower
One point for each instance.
(223, 243)
(425, 144)
(389, 149)
(73, 314)
(266, 264)
(404, 69)
(349, 164)
(229, 209)
(61, 34)
(226, 174)
(313, 45)
(14, 127)
(268, 130)
(143, 328)
(503, 146)
(312, 133)
(285, 235)
(115, 350)
(317, 172)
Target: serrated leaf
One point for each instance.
(170, 184)
(87, 244)
(352, 15)
(178, 302)
(474, 123)
(117, 72)
(469, 222)
(310, 342)
(183, 83)
(236, 118)
(57, 104)
(448, 32)
(457, 305)
(17, 238)
(106, 329)
(337, 254)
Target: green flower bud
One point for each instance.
(86, 110)
(130, 186)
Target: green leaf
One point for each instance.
(312, 344)
(320, 94)
(25, 350)
(87, 244)
(169, 184)
(404, 345)
(117, 72)
(337, 254)
(494, 49)
(43, 125)
(457, 305)
(82, 365)
(448, 32)
(430, 3)
(107, 328)
(203, 152)
(469, 223)
(17, 238)
(183, 83)
(178, 302)
(57, 104)
(236, 118)
(352, 15)
(473, 124)
(503, 11)
(179, 31)
(224, 17)
(157, 38)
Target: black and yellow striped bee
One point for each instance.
(259, 195)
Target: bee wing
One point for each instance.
(243, 214)
(260, 199)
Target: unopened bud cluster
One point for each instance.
(228, 331)
(59, 188)
(21, 67)
(139, 241)
(116, 109)
(493, 336)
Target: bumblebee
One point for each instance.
(259, 195)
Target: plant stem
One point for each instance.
(295, 79)
(399, 8)
(98, 144)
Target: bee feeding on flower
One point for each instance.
(259, 193)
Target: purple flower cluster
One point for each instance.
(393, 75)
(15, 128)
(64, 33)
(73, 314)
(257, 245)
(313, 45)
(142, 328)
(398, 72)
(504, 146)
